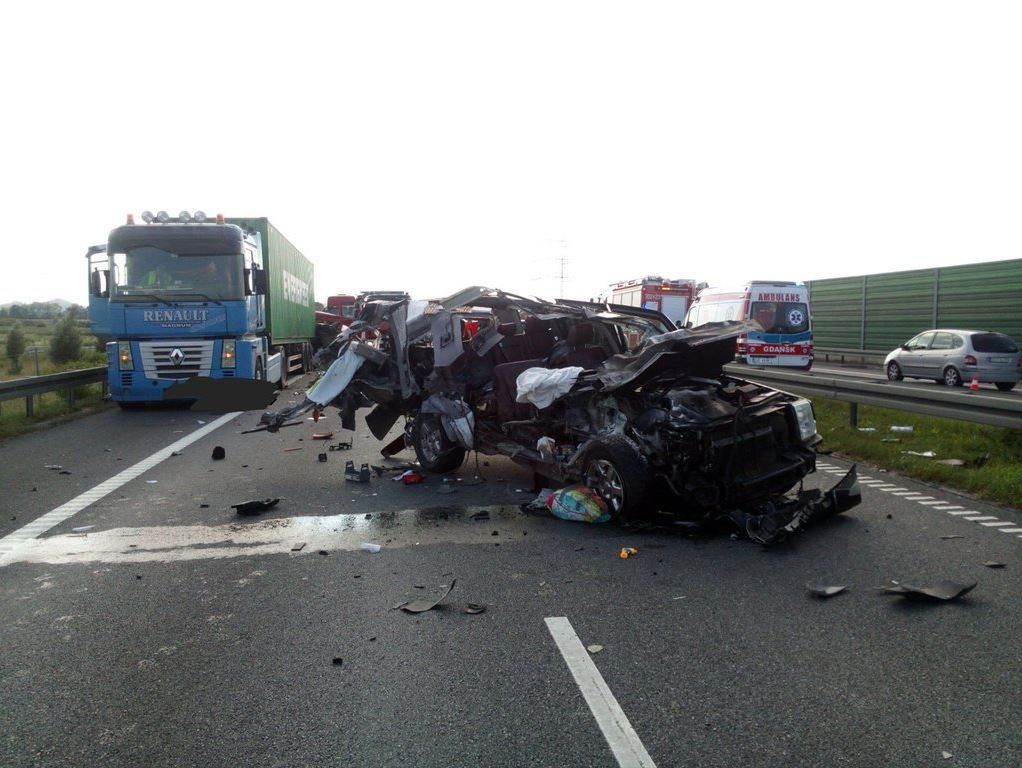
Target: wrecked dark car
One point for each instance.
(610, 396)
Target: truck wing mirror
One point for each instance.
(255, 281)
(99, 283)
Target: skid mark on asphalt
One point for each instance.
(972, 515)
(175, 543)
(54, 517)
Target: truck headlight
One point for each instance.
(805, 418)
(227, 359)
(124, 355)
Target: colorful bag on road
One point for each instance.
(578, 503)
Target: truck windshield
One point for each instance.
(147, 271)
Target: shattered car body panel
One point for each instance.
(651, 420)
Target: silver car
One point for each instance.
(955, 357)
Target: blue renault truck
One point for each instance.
(191, 295)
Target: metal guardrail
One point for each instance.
(839, 355)
(37, 385)
(982, 407)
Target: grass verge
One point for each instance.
(49, 408)
(992, 456)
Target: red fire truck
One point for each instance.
(671, 297)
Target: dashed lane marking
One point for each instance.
(939, 505)
(620, 736)
(78, 503)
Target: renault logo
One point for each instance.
(176, 356)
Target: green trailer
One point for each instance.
(289, 300)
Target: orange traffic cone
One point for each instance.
(974, 384)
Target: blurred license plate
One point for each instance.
(998, 360)
(760, 360)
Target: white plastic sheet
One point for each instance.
(541, 386)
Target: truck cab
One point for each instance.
(181, 298)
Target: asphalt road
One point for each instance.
(177, 634)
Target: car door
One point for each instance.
(911, 358)
(935, 357)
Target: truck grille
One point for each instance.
(170, 360)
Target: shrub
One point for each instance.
(15, 347)
(66, 344)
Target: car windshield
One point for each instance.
(993, 342)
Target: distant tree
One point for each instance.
(66, 344)
(76, 311)
(3, 311)
(15, 347)
(17, 310)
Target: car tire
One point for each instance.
(615, 468)
(952, 377)
(894, 372)
(1005, 386)
(435, 451)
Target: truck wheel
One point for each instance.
(952, 377)
(1006, 386)
(434, 450)
(259, 374)
(619, 473)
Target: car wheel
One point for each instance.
(435, 451)
(619, 473)
(1006, 386)
(894, 371)
(952, 377)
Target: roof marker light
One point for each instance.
(163, 217)
(147, 217)
(131, 218)
(219, 218)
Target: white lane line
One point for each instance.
(932, 503)
(962, 512)
(977, 519)
(618, 732)
(78, 503)
(903, 493)
(996, 524)
(895, 489)
(918, 497)
(949, 508)
(870, 482)
(1010, 530)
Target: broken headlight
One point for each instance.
(805, 419)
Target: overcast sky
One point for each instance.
(427, 146)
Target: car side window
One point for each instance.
(922, 341)
(941, 341)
